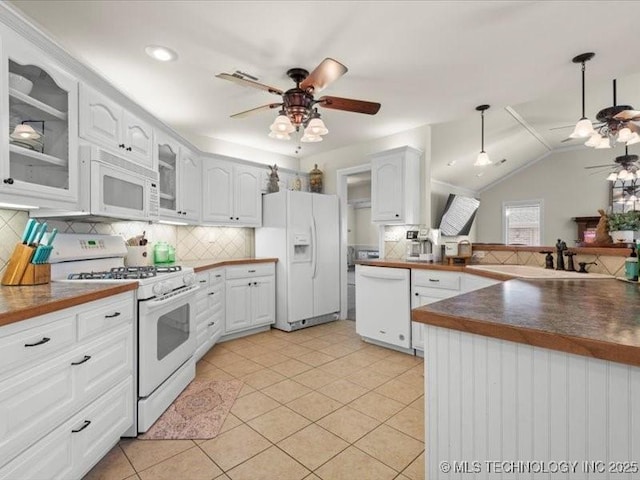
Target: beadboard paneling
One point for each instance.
(490, 399)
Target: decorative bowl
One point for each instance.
(20, 83)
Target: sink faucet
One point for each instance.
(583, 266)
(560, 248)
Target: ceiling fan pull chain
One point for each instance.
(615, 102)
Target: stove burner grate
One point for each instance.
(125, 273)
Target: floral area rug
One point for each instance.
(198, 413)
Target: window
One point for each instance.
(522, 222)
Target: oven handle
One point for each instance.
(170, 297)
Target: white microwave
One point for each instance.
(112, 187)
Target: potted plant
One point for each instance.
(624, 227)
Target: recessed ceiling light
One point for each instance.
(160, 53)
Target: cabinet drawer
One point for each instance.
(251, 270)
(436, 279)
(217, 276)
(74, 447)
(105, 316)
(202, 279)
(26, 346)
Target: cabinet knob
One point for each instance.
(255, 283)
(230, 218)
(8, 181)
(121, 145)
(237, 218)
(211, 324)
(416, 294)
(249, 283)
(212, 293)
(128, 149)
(397, 215)
(179, 212)
(184, 213)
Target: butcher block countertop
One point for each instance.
(594, 318)
(21, 303)
(206, 264)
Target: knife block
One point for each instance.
(20, 271)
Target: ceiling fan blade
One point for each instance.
(248, 83)
(349, 105)
(327, 72)
(601, 166)
(568, 139)
(595, 125)
(246, 113)
(627, 115)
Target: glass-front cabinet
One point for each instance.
(40, 154)
(168, 169)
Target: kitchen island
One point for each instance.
(526, 373)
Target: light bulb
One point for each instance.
(482, 160)
(282, 124)
(604, 143)
(316, 127)
(624, 135)
(583, 129)
(594, 140)
(613, 176)
(633, 139)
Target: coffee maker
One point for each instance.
(414, 247)
(420, 249)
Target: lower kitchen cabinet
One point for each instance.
(250, 296)
(210, 309)
(71, 397)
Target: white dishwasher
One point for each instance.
(383, 305)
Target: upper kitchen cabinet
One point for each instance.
(104, 122)
(179, 171)
(39, 163)
(395, 186)
(231, 193)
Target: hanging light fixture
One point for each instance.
(627, 168)
(584, 127)
(483, 158)
(282, 124)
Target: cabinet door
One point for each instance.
(387, 190)
(189, 185)
(100, 119)
(423, 296)
(217, 191)
(247, 198)
(263, 300)
(41, 163)
(238, 304)
(166, 153)
(137, 137)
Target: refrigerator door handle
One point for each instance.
(314, 244)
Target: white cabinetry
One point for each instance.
(104, 122)
(250, 296)
(382, 305)
(395, 186)
(429, 286)
(40, 169)
(231, 193)
(210, 310)
(179, 171)
(66, 389)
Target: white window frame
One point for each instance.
(538, 202)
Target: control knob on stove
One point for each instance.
(160, 288)
(189, 279)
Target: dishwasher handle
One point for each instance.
(384, 275)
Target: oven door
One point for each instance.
(166, 336)
(118, 193)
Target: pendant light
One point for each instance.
(584, 127)
(483, 158)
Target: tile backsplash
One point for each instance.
(191, 242)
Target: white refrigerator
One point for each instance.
(302, 230)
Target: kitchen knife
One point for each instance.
(46, 250)
(32, 233)
(27, 230)
(40, 234)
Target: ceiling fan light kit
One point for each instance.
(483, 157)
(298, 107)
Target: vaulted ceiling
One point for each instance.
(426, 62)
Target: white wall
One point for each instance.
(353, 155)
(562, 182)
(221, 147)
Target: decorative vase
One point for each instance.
(315, 179)
(622, 236)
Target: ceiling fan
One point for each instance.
(625, 167)
(298, 105)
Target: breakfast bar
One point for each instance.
(526, 373)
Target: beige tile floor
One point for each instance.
(318, 403)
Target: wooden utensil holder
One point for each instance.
(20, 271)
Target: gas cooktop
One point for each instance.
(125, 273)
